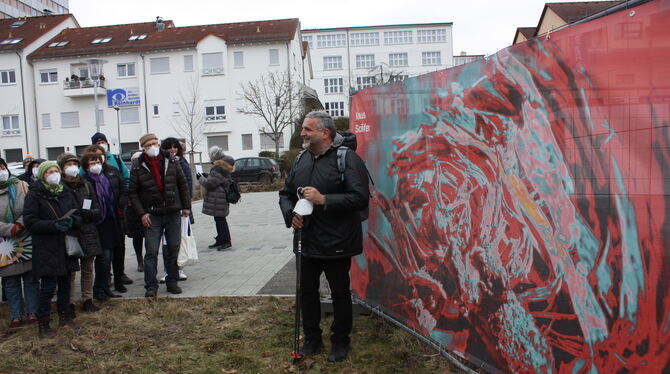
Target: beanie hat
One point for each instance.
(216, 153)
(98, 136)
(229, 159)
(65, 158)
(146, 138)
(44, 167)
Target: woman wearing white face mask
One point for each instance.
(15, 267)
(45, 216)
(89, 211)
(30, 175)
(107, 223)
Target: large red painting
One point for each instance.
(521, 208)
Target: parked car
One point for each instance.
(125, 157)
(16, 168)
(256, 169)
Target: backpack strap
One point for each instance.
(342, 160)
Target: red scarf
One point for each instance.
(155, 168)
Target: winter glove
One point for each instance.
(63, 224)
(85, 214)
(17, 228)
(198, 175)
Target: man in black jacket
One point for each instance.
(332, 234)
(159, 194)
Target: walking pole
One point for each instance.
(297, 355)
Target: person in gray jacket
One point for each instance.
(15, 268)
(217, 186)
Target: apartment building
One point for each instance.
(349, 59)
(20, 37)
(27, 8)
(150, 70)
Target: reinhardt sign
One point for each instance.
(123, 97)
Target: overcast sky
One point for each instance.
(479, 26)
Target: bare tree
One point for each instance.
(190, 123)
(274, 99)
(381, 74)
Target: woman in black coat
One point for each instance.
(87, 233)
(118, 253)
(107, 223)
(45, 216)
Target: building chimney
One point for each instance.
(160, 26)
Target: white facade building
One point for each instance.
(17, 87)
(152, 69)
(348, 59)
(26, 8)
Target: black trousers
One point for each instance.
(119, 259)
(222, 230)
(337, 273)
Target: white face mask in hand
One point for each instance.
(72, 171)
(153, 151)
(95, 169)
(53, 179)
(4, 175)
(303, 207)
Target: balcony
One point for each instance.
(212, 71)
(11, 132)
(81, 88)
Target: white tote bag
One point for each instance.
(188, 252)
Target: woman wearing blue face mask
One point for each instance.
(19, 283)
(45, 215)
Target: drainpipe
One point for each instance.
(144, 88)
(23, 101)
(290, 86)
(37, 127)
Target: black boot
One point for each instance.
(44, 330)
(173, 288)
(140, 265)
(125, 279)
(118, 285)
(111, 294)
(65, 320)
(73, 311)
(217, 243)
(312, 346)
(339, 352)
(88, 306)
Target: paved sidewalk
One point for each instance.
(261, 248)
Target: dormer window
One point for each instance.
(10, 41)
(59, 44)
(137, 37)
(101, 40)
(17, 24)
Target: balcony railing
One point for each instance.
(212, 71)
(11, 132)
(86, 83)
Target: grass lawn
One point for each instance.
(223, 335)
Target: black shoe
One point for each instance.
(151, 293)
(100, 296)
(214, 245)
(339, 352)
(111, 294)
(312, 346)
(43, 327)
(125, 279)
(73, 311)
(88, 306)
(140, 266)
(120, 287)
(173, 288)
(224, 246)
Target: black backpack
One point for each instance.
(233, 195)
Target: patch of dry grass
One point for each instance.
(204, 335)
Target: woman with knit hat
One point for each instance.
(15, 257)
(217, 187)
(45, 215)
(87, 233)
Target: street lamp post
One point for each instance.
(118, 127)
(95, 71)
